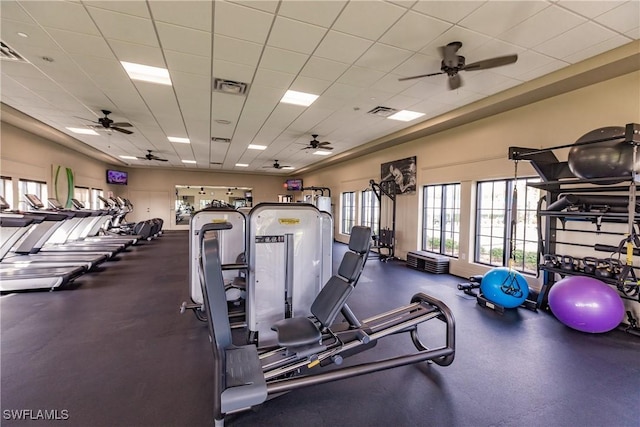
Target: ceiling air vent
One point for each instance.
(10, 54)
(220, 139)
(229, 86)
(382, 111)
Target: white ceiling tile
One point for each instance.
(233, 71)
(342, 47)
(383, 57)
(184, 80)
(359, 76)
(310, 85)
(596, 49)
(589, 8)
(390, 83)
(550, 67)
(235, 50)
(414, 30)
(378, 15)
(264, 5)
(38, 38)
(127, 28)
(542, 26)
(572, 41)
(83, 44)
(295, 35)
(321, 68)
(450, 11)
(471, 40)
(418, 64)
(62, 15)
(401, 102)
(192, 14)
(179, 61)
(11, 10)
(108, 73)
(185, 40)
(270, 78)
(137, 53)
(135, 8)
(491, 49)
(282, 60)
(404, 3)
(486, 81)
(623, 18)
(226, 106)
(527, 61)
(496, 17)
(318, 12)
(241, 22)
(309, 118)
(342, 91)
(633, 33)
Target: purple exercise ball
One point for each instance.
(586, 304)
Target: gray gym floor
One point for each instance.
(114, 351)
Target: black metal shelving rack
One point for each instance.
(557, 180)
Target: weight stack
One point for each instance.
(425, 261)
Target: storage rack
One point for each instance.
(557, 180)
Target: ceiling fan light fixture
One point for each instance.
(83, 131)
(298, 98)
(147, 73)
(405, 115)
(256, 147)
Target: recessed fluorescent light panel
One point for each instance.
(83, 131)
(405, 115)
(298, 98)
(147, 73)
(242, 165)
(128, 157)
(189, 161)
(287, 167)
(178, 139)
(257, 147)
(322, 152)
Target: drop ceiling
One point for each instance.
(350, 53)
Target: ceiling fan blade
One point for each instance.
(121, 124)
(324, 143)
(455, 82)
(420, 76)
(491, 63)
(125, 131)
(160, 160)
(324, 148)
(449, 54)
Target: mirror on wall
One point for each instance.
(192, 198)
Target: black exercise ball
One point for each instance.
(603, 159)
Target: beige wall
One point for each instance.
(478, 151)
(24, 155)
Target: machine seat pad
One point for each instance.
(296, 332)
(245, 385)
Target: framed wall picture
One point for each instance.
(402, 172)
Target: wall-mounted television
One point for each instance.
(293, 184)
(117, 177)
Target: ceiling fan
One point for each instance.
(108, 124)
(314, 144)
(277, 165)
(150, 156)
(452, 63)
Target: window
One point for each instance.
(370, 211)
(96, 203)
(82, 194)
(31, 187)
(441, 219)
(493, 224)
(6, 189)
(348, 212)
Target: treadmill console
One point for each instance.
(34, 201)
(77, 204)
(3, 204)
(55, 204)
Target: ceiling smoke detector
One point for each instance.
(230, 86)
(382, 111)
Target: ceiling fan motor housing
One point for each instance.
(452, 67)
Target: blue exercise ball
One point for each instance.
(505, 287)
(586, 304)
(605, 159)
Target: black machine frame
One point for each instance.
(246, 376)
(386, 240)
